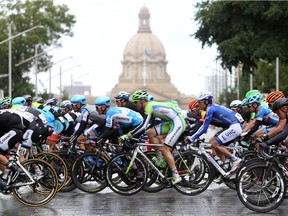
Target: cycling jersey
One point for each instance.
(223, 115)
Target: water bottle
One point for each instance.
(118, 160)
(100, 163)
(90, 160)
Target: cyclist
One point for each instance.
(231, 122)
(280, 107)
(38, 102)
(119, 120)
(122, 100)
(11, 132)
(194, 118)
(264, 116)
(271, 99)
(173, 127)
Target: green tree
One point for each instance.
(247, 32)
(23, 15)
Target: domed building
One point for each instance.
(145, 66)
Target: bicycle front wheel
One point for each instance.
(261, 188)
(123, 177)
(88, 172)
(44, 187)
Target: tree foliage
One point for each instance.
(253, 33)
(23, 15)
(244, 31)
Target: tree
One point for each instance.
(23, 15)
(247, 32)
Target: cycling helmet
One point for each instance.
(244, 102)
(28, 99)
(150, 98)
(205, 96)
(236, 103)
(51, 102)
(193, 104)
(122, 95)
(19, 100)
(6, 101)
(251, 93)
(39, 100)
(273, 96)
(78, 99)
(278, 104)
(66, 104)
(256, 98)
(140, 95)
(103, 100)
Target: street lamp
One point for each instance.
(9, 39)
(61, 72)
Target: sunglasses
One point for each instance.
(248, 106)
(117, 101)
(97, 107)
(136, 102)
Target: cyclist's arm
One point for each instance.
(141, 127)
(279, 137)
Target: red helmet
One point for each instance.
(273, 96)
(193, 104)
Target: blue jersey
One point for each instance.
(123, 117)
(222, 115)
(266, 116)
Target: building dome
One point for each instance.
(144, 39)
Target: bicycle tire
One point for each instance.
(45, 186)
(196, 171)
(117, 168)
(58, 164)
(88, 177)
(153, 185)
(257, 197)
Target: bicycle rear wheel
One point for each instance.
(125, 179)
(43, 190)
(58, 164)
(196, 171)
(88, 173)
(261, 188)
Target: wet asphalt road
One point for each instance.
(217, 200)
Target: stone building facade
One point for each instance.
(144, 65)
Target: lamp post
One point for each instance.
(61, 72)
(9, 39)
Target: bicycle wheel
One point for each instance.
(196, 171)
(58, 164)
(261, 188)
(88, 173)
(133, 177)
(42, 190)
(69, 159)
(153, 184)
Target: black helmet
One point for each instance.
(278, 104)
(28, 99)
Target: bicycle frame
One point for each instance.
(203, 151)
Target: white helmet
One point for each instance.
(236, 103)
(122, 94)
(205, 96)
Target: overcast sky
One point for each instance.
(103, 29)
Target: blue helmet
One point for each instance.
(103, 100)
(78, 99)
(150, 98)
(256, 98)
(19, 100)
(122, 95)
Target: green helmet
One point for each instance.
(5, 102)
(140, 95)
(251, 93)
